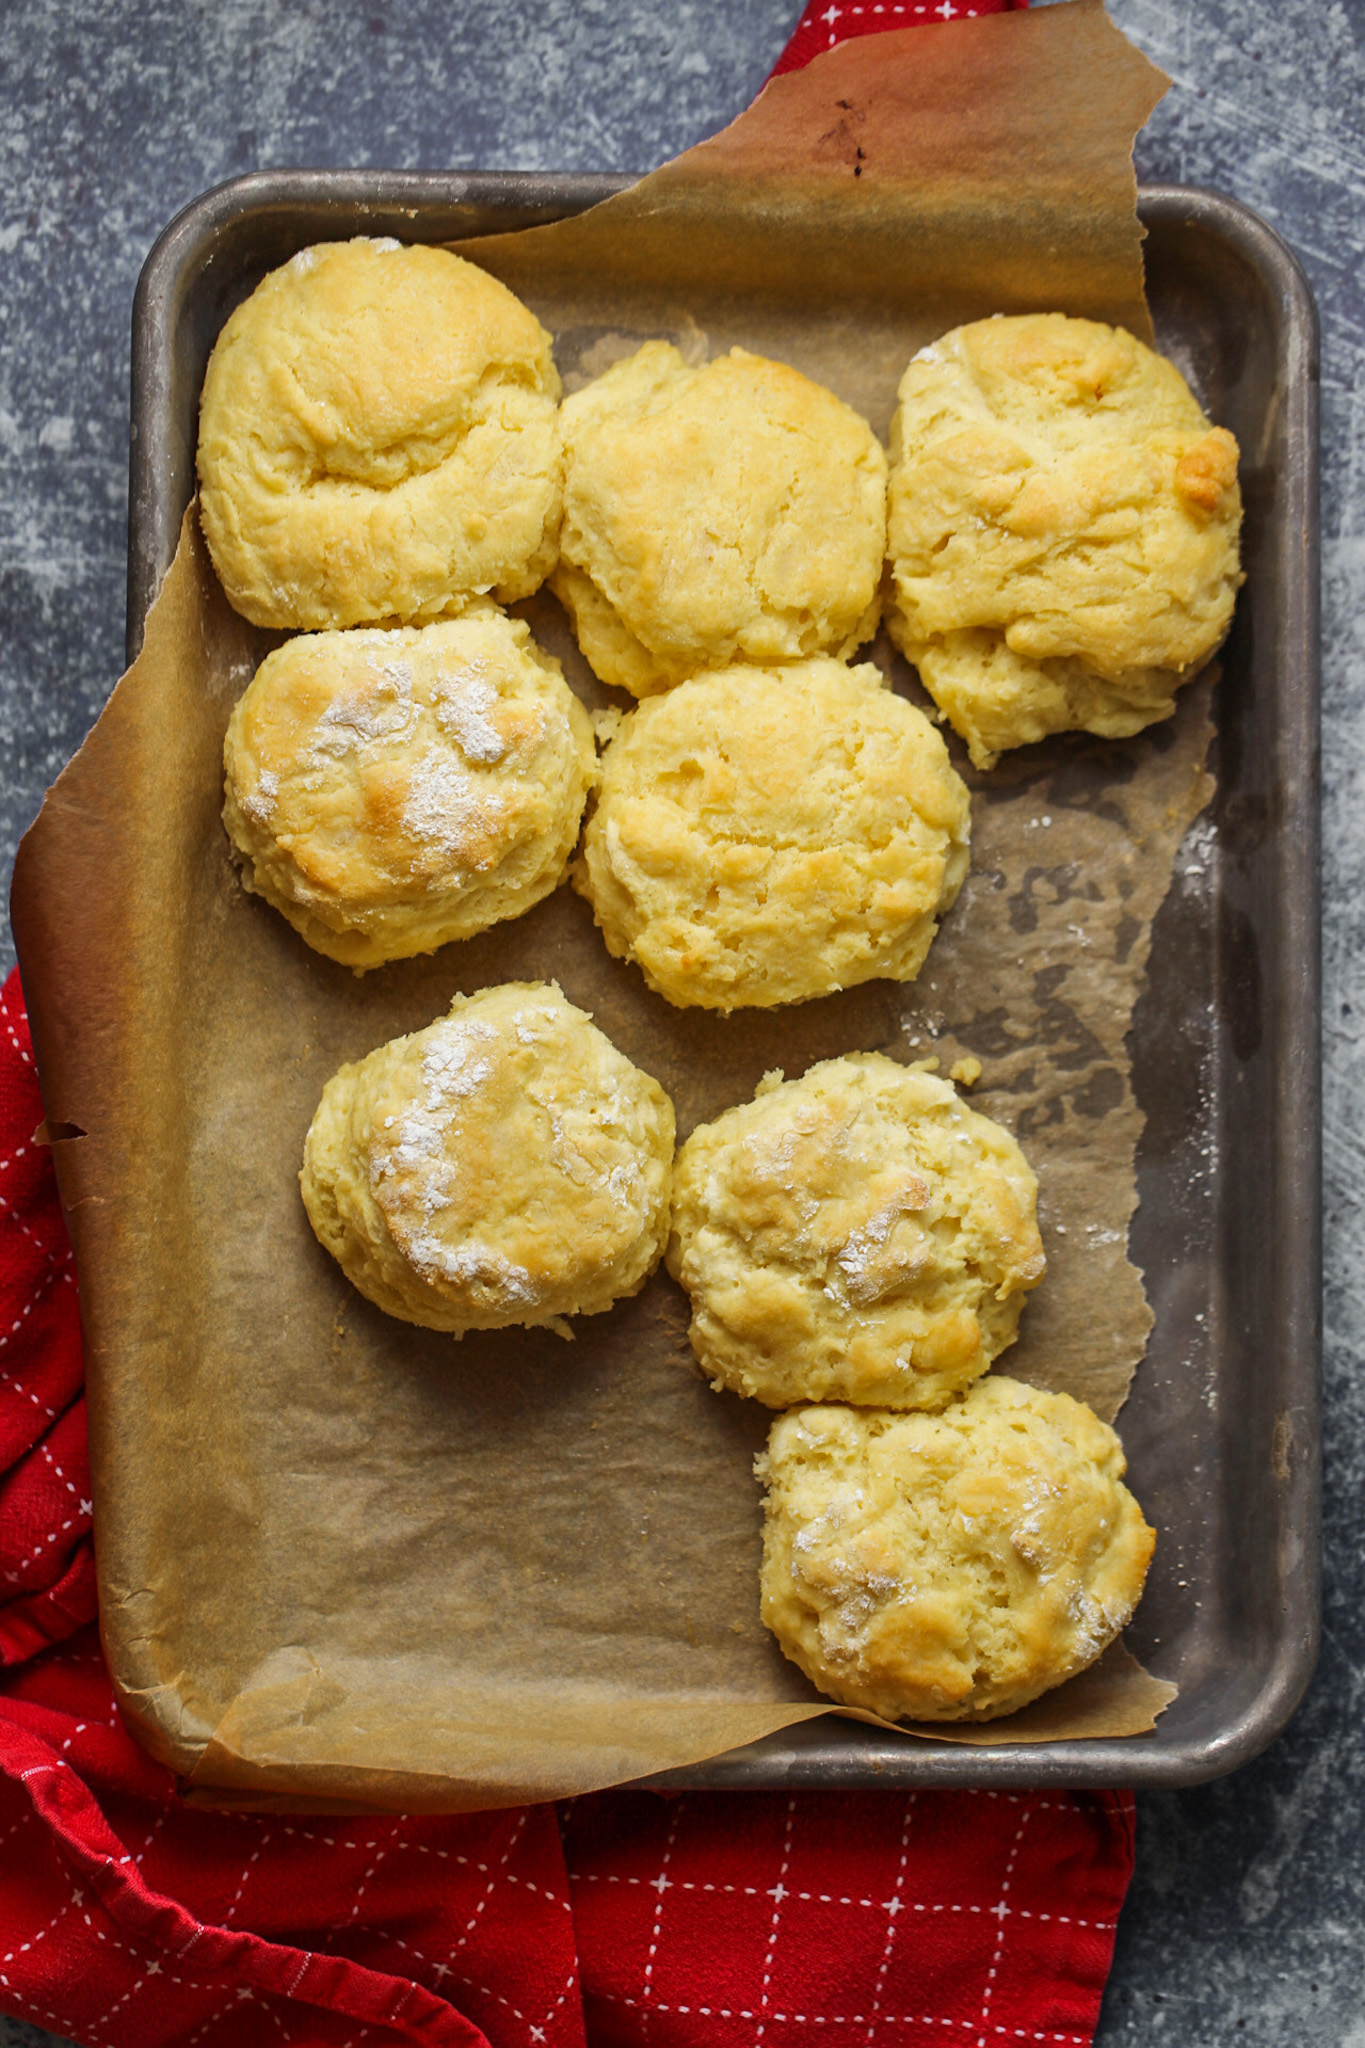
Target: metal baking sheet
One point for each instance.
(1222, 1427)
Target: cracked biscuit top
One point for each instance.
(949, 1567)
(378, 439)
(763, 836)
(505, 1166)
(734, 512)
(857, 1235)
(1063, 530)
(391, 789)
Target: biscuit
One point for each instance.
(1063, 530)
(857, 1235)
(391, 790)
(505, 1166)
(378, 439)
(949, 1567)
(732, 512)
(763, 836)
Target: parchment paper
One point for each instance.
(350, 1562)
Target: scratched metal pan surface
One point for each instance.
(1222, 1427)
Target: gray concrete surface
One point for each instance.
(1246, 1918)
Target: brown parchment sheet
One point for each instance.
(351, 1563)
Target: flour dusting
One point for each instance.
(455, 1065)
(260, 805)
(463, 699)
(382, 710)
(447, 810)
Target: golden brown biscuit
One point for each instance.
(1063, 527)
(949, 1567)
(506, 1165)
(732, 512)
(378, 439)
(392, 790)
(857, 1235)
(766, 835)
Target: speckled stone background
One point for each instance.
(1246, 1922)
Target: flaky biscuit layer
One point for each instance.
(505, 1166)
(391, 790)
(378, 439)
(949, 1567)
(1063, 530)
(857, 1235)
(763, 836)
(730, 512)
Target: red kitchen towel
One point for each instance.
(825, 23)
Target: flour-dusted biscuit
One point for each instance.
(505, 1166)
(390, 790)
(1063, 530)
(378, 439)
(857, 1235)
(949, 1567)
(732, 512)
(763, 836)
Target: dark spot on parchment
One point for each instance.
(990, 1034)
(840, 141)
(1038, 1116)
(1126, 936)
(1071, 1043)
(1101, 1093)
(1061, 881)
